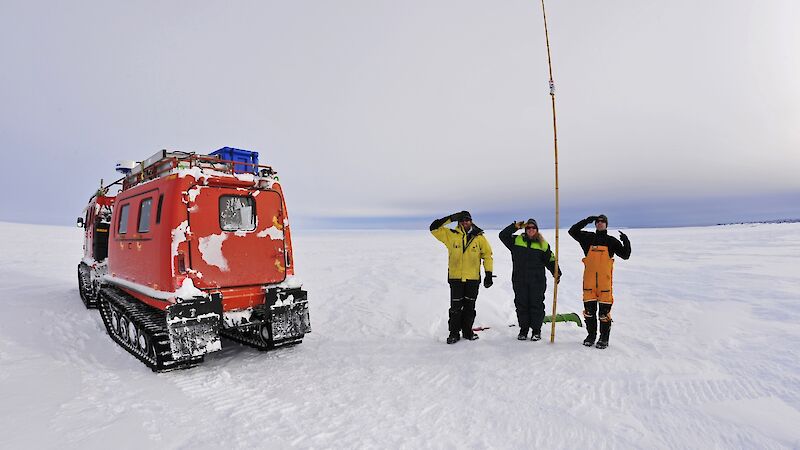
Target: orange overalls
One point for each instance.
(597, 275)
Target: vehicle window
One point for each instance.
(237, 213)
(122, 228)
(144, 215)
(158, 208)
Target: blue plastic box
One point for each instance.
(240, 156)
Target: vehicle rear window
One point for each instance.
(144, 215)
(237, 213)
(122, 228)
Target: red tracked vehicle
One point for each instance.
(191, 248)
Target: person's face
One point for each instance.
(600, 225)
(531, 231)
(466, 224)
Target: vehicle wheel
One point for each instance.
(114, 319)
(143, 343)
(122, 331)
(133, 333)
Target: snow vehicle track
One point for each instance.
(140, 330)
(85, 289)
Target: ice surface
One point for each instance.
(704, 353)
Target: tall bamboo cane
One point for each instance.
(555, 150)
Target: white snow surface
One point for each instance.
(188, 290)
(210, 248)
(146, 290)
(194, 192)
(273, 232)
(178, 236)
(704, 353)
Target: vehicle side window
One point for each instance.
(158, 208)
(237, 213)
(144, 215)
(122, 228)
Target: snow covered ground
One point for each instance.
(705, 353)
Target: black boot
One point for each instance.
(523, 334)
(468, 319)
(536, 335)
(605, 331)
(591, 328)
(454, 323)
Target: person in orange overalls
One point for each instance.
(599, 249)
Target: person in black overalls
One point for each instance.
(530, 255)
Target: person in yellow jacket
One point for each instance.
(466, 247)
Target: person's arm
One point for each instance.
(550, 262)
(488, 262)
(486, 254)
(438, 229)
(624, 249)
(507, 235)
(575, 230)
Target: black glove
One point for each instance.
(623, 236)
(592, 218)
(560, 274)
(487, 282)
(455, 217)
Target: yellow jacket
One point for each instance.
(465, 252)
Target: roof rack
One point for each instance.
(163, 163)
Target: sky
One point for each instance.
(386, 114)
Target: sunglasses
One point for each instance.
(531, 228)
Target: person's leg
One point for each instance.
(605, 325)
(523, 311)
(468, 315)
(455, 311)
(537, 309)
(590, 317)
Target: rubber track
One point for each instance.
(249, 335)
(150, 320)
(84, 280)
